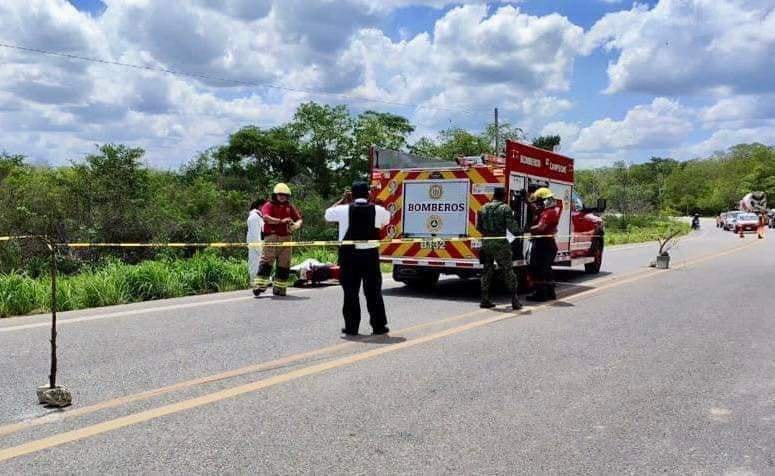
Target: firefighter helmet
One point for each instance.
(543, 193)
(281, 189)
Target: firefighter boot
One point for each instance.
(280, 285)
(262, 280)
(486, 304)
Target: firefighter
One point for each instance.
(360, 219)
(281, 219)
(493, 220)
(544, 247)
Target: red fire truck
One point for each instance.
(437, 202)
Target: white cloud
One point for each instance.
(723, 139)
(663, 123)
(568, 132)
(476, 57)
(689, 46)
(739, 112)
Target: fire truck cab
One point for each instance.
(435, 203)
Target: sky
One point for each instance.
(616, 79)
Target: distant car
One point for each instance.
(746, 223)
(729, 220)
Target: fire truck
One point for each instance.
(435, 203)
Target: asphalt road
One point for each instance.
(633, 371)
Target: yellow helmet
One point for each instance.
(543, 193)
(281, 189)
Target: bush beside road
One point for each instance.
(621, 230)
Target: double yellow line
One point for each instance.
(147, 415)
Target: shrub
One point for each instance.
(20, 294)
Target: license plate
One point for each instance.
(432, 244)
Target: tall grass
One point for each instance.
(621, 230)
(118, 283)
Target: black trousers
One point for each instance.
(542, 255)
(356, 267)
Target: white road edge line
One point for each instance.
(134, 312)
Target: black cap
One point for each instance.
(360, 189)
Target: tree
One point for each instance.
(547, 142)
(384, 130)
(114, 186)
(9, 162)
(325, 139)
(507, 132)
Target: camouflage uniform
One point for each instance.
(494, 219)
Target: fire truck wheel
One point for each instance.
(597, 252)
(424, 281)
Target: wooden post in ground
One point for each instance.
(52, 378)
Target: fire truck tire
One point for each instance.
(426, 280)
(597, 252)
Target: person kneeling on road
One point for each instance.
(281, 219)
(494, 219)
(360, 220)
(544, 246)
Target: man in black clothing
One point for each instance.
(360, 220)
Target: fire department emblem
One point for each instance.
(391, 232)
(434, 223)
(392, 186)
(392, 208)
(436, 191)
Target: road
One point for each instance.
(633, 371)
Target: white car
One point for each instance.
(729, 223)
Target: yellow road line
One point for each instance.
(15, 427)
(146, 415)
(143, 416)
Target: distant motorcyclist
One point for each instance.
(696, 222)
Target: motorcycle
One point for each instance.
(695, 223)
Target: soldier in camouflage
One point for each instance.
(494, 219)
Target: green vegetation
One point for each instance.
(641, 228)
(705, 186)
(112, 196)
(119, 283)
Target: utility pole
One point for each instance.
(497, 135)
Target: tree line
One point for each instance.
(111, 196)
(706, 186)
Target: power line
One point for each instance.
(231, 80)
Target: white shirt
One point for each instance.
(255, 226)
(341, 214)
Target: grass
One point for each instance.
(207, 272)
(641, 228)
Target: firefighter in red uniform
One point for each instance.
(281, 219)
(544, 246)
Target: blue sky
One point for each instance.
(617, 80)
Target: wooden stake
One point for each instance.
(52, 378)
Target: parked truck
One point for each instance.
(436, 202)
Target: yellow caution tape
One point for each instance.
(18, 237)
(306, 244)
